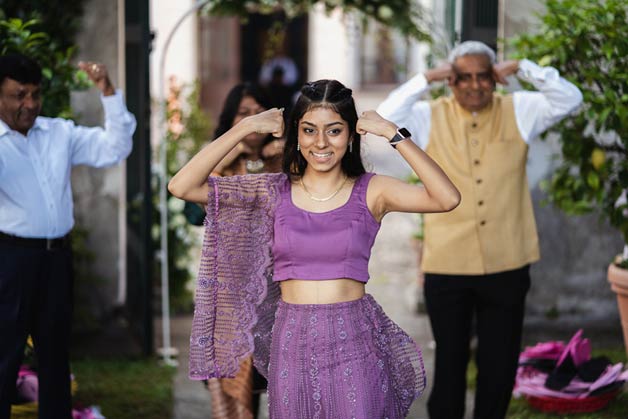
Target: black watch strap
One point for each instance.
(402, 134)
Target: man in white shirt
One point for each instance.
(476, 258)
(36, 216)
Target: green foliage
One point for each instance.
(404, 15)
(59, 74)
(188, 130)
(61, 18)
(125, 388)
(587, 41)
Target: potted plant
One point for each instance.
(587, 41)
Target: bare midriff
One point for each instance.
(299, 291)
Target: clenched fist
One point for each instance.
(370, 122)
(98, 74)
(267, 122)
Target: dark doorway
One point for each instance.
(479, 22)
(267, 39)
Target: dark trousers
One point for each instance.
(36, 299)
(497, 302)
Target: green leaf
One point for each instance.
(593, 180)
(47, 73)
(545, 60)
(587, 42)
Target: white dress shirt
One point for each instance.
(534, 111)
(35, 190)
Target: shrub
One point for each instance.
(60, 76)
(587, 41)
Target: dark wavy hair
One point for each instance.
(232, 103)
(20, 68)
(323, 94)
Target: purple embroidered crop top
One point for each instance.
(328, 245)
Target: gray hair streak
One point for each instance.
(471, 48)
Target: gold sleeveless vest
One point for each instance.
(493, 228)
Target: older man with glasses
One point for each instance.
(476, 258)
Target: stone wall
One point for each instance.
(97, 191)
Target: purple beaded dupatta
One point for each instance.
(235, 297)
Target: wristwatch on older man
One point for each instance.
(402, 134)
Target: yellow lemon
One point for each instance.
(598, 157)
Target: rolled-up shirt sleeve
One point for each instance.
(556, 98)
(404, 107)
(100, 147)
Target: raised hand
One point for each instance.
(190, 183)
(441, 73)
(505, 69)
(370, 122)
(267, 122)
(98, 74)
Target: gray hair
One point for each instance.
(471, 48)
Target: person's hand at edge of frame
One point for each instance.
(98, 74)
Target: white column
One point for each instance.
(333, 47)
(183, 51)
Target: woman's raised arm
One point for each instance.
(190, 182)
(386, 194)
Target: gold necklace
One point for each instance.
(313, 198)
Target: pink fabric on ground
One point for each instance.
(543, 350)
(578, 348)
(531, 382)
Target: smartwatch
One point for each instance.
(402, 134)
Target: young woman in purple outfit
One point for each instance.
(285, 257)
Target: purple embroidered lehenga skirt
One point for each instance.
(330, 361)
(343, 360)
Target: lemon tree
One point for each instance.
(587, 41)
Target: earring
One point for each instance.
(351, 147)
(298, 147)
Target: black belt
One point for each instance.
(47, 244)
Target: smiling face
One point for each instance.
(20, 104)
(323, 138)
(472, 83)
